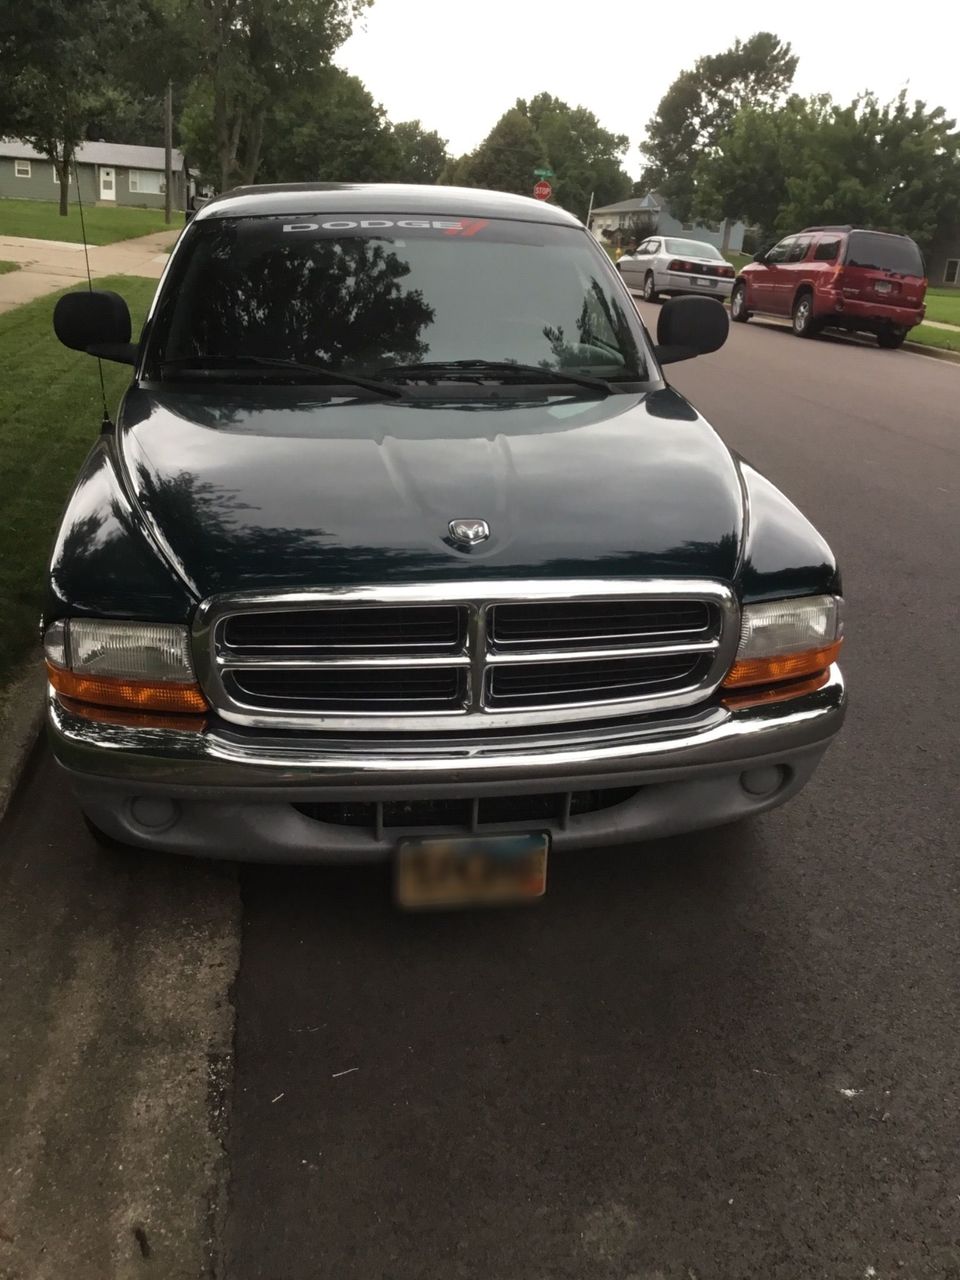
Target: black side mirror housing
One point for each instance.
(97, 322)
(761, 255)
(690, 327)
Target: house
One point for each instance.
(943, 260)
(643, 215)
(110, 173)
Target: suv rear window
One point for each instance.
(897, 254)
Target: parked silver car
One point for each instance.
(664, 264)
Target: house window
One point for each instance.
(951, 272)
(149, 182)
(56, 176)
(21, 168)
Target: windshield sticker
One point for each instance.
(459, 227)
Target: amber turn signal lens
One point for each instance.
(172, 696)
(749, 671)
(779, 693)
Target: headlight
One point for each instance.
(787, 639)
(142, 666)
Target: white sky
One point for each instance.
(457, 66)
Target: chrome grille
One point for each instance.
(465, 656)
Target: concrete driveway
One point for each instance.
(47, 265)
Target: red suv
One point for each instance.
(841, 277)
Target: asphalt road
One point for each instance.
(722, 1056)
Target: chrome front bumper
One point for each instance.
(233, 793)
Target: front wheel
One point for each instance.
(649, 288)
(804, 325)
(738, 304)
(890, 339)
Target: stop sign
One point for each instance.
(543, 190)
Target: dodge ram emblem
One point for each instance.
(469, 532)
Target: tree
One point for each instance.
(699, 108)
(328, 130)
(547, 132)
(894, 166)
(421, 153)
(55, 73)
(506, 158)
(253, 56)
(585, 157)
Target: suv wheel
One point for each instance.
(804, 325)
(738, 303)
(890, 339)
(649, 289)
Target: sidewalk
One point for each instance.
(47, 265)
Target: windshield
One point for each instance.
(693, 249)
(897, 254)
(366, 294)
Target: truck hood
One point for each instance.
(271, 488)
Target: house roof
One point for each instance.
(405, 199)
(115, 153)
(652, 202)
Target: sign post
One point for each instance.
(543, 190)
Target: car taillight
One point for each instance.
(676, 265)
(728, 272)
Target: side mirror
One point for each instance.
(690, 327)
(761, 255)
(97, 323)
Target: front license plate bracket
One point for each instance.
(434, 872)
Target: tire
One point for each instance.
(804, 325)
(891, 339)
(738, 303)
(649, 289)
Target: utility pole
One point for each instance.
(589, 210)
(168, 150)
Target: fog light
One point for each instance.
(154, 813)
(764, 781)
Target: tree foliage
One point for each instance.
(893, 166)
(55, 72)
(253, 54)
(548, 133)
(699, 108)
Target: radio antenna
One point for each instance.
(106, 424)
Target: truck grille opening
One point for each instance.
(412, 658)
(466, 815)
(368, 689)
(425, 628)
(602, 623)
(604, 680)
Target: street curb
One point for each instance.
(937, 353)
(21, 721)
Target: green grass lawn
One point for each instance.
(49, 417)
(8, 266)
(930, 337)
(738, 260)
(944, 305)
(40, 220)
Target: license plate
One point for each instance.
(702, 280)
(482, 871)
(883, 286)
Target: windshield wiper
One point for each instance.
(481, 367)
(203, 365)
